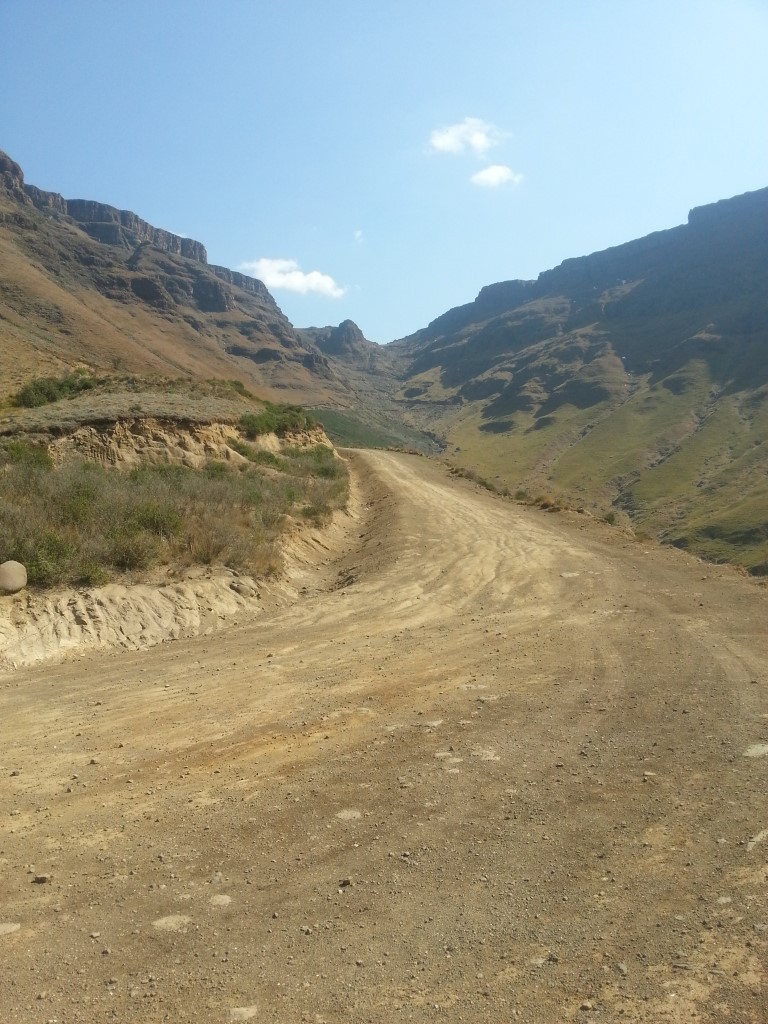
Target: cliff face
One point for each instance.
(114, 227)
(12, 179)
(248, 284)
(346, 343)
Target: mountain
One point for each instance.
(633, 380)
(82, 283)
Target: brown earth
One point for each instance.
(491, 764)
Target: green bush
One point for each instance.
(42, 390)
(276, 419)
(159, 518)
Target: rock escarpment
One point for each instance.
(111, 226)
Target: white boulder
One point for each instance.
(13, 577)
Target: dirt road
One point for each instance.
(493, 764)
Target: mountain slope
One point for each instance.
(82, 282)
(635, 378)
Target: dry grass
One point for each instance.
(83, 524)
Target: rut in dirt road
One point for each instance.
(490, 764)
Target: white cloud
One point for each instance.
(495, 175)
(470, 134)
(288, 275)
(358, 235)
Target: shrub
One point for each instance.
(276, 419)
(158, 518)
(42, 390)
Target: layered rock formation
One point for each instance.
(159, 307)
(115, 227)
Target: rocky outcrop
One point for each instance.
(12, 179)
(248, 284)
(105, 223)
(345, 342)
(133, 442)
(122, 227)
(48, 202)
(156, 440)
(345, 339)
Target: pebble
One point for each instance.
(41, 879)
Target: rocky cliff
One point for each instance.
(120, 293)
(104, 223)
(719, 236)
(248, 284)
(114, 227)
(346, 343)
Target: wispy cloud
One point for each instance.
(358, 235)
(495, 175)
(288, 275)
(470, 135)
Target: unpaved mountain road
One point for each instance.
(493, 764)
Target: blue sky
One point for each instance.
(383, 161)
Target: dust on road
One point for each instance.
(492, 764)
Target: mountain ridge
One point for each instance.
(85, 282)
(633, 380)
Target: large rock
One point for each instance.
(13, 577)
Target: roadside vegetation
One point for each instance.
(83, 524)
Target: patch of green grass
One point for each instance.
(27, 453)
(350, 431)
(276, 419)
(43, 390)
(257, 456)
